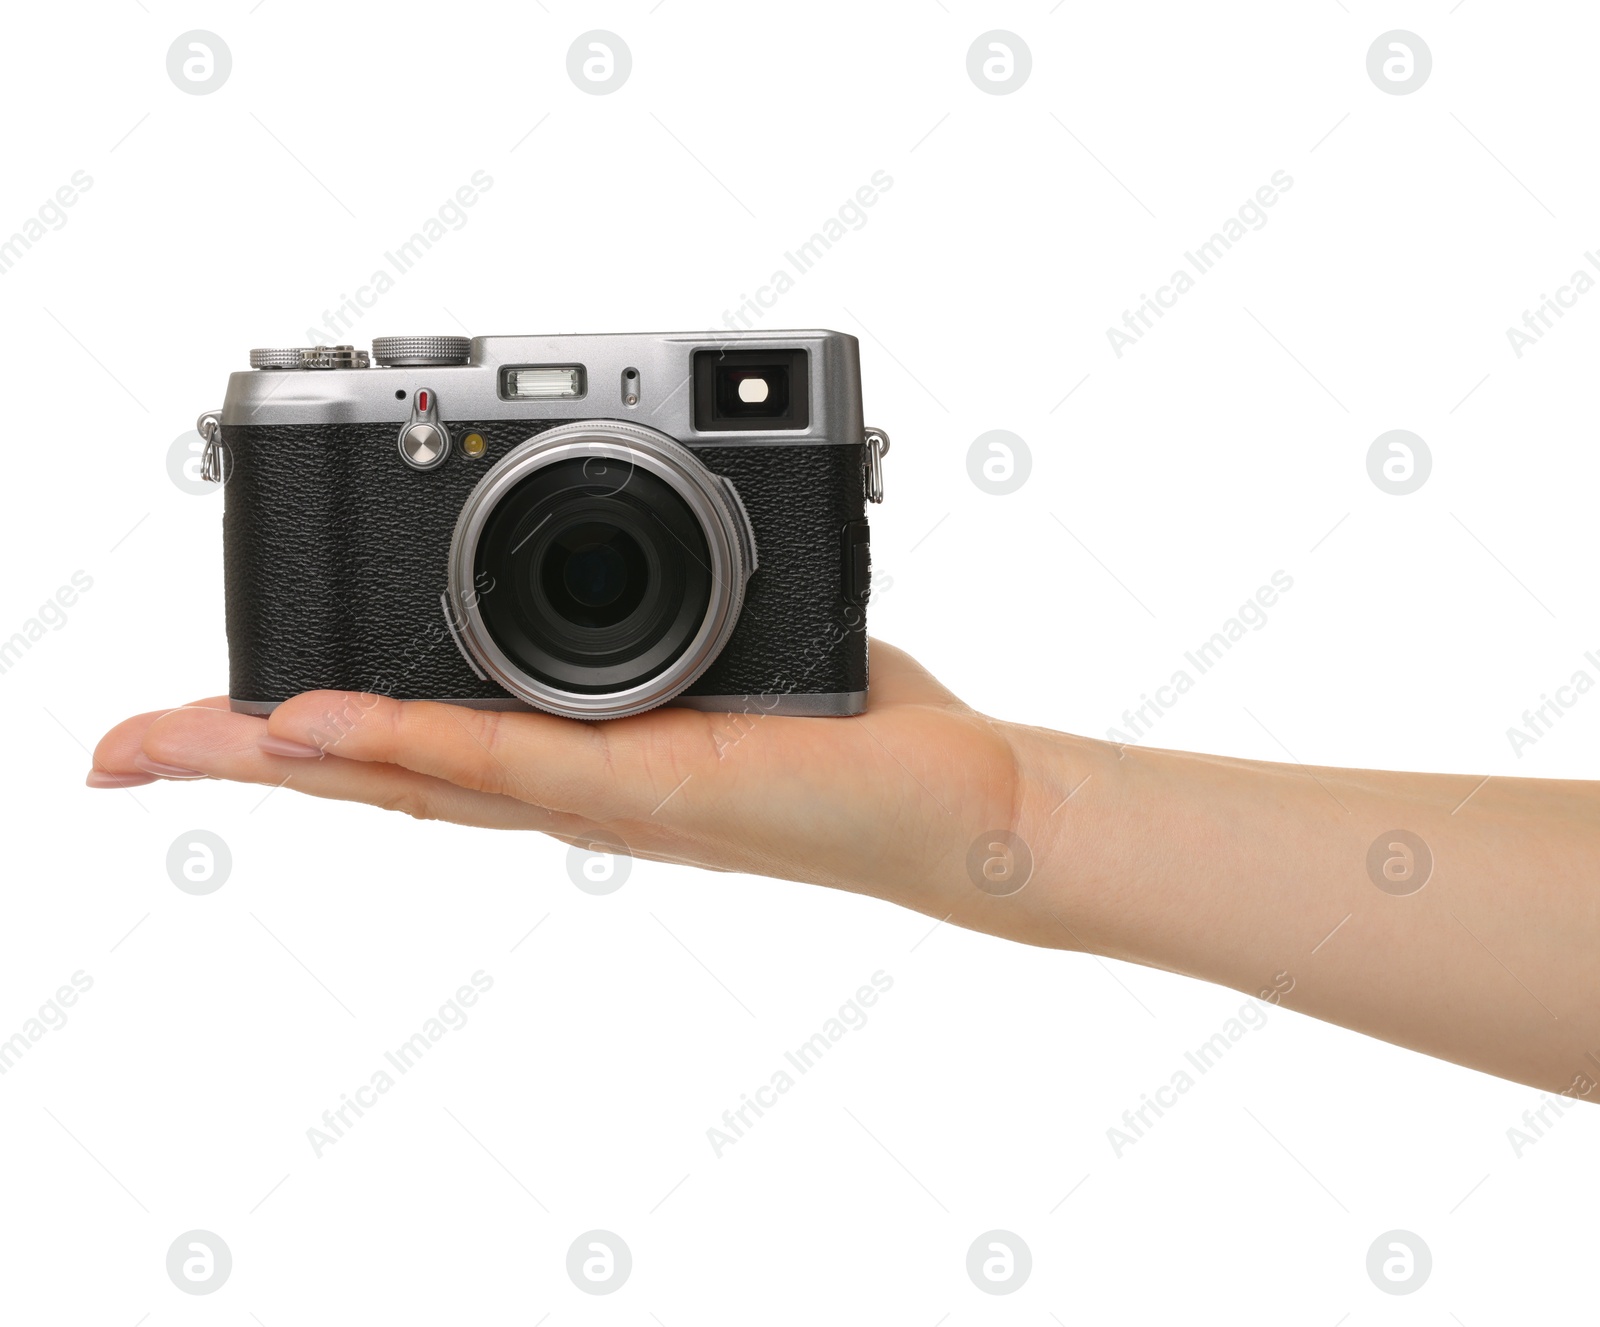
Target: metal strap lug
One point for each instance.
(877, 449)
(209, 427)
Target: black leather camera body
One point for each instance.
(592, 525)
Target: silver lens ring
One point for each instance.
(715, 505)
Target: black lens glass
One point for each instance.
(597, 575)
(594, 573)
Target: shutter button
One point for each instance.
(424, 441)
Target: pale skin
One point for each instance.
(1245, 873)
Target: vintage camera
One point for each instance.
(590, 525)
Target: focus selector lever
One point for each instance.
(424, 441)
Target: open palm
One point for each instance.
(888, 803)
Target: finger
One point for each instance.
(617, 770)
(219, 744)
(564, 764)
(898, 679)
(115, 762)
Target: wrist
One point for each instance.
(1068, 802)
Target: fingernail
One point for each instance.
(164, 771)
(99, 778)
(282, 746)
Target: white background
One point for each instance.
(1167, 485)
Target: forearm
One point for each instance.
(1257, 876)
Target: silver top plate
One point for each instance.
(661, 361)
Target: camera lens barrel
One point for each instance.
(598, 569)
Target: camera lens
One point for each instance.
(597, 584)
(598, 569)
(595, 574)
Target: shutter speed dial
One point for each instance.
(424, 440)
(420, 351)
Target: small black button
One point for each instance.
(856, 558)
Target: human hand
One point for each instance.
(888, 803)
(1169, 859)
